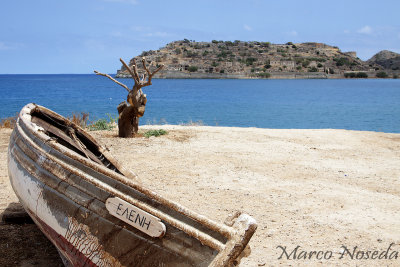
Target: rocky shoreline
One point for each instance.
(277, 75)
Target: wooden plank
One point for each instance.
(136, 217)
(54, 130)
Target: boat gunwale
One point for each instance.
(29, 164)
(237, 235)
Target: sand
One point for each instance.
(322, 190)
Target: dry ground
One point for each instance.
(317, 189)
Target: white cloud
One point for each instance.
(132, 2)
(157, 34)
(3, 46)
(247, 27)
(140, 28)
(346, 31)
(8, 46)
(365, 30)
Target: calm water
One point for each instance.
(372, 105)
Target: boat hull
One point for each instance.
(66, 196)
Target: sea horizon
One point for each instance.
(352, 104)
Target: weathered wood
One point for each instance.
(66, 194)
(136, 217)
(63, 136)
(128, 122)
(132, 72)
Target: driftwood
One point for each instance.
(131, 110)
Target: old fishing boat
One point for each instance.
(98, 214)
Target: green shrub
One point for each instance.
(356, 75)
(250, 60)
(190, 53)
(382, 74)
(154, 133)
(264, 75)
(362, 75)
(111, 118)
(341, 61)
(193, 68)
(223, 54)
(349, 75)
(318, 59)
(101, 124)
(313, 69)
(305, 63)
(265, 44)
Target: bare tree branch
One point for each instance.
(145, 67)
(149, 73)
(135, 69)
(133, 74)
(112, 79)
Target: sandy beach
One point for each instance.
(335, 191)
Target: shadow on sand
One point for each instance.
(21, 241)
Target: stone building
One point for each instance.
(351, 53)
(287, 64)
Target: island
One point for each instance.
(254, 60)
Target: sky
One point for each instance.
(79, 36)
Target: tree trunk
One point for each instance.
(130, 112)
(128, 122)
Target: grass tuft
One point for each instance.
(155, 133)
(100, 125)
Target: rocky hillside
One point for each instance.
(238, 59)
(387, 59)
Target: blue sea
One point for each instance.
(355, 104)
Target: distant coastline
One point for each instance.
(263, 60)
(273, 75)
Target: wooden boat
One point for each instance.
(98, 214)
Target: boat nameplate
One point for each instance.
(136, 217)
